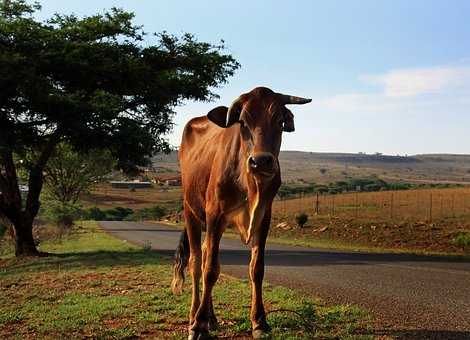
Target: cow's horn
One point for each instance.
(286, 99)
(233, 113)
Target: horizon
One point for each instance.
(391, 77)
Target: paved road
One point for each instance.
(410, 296)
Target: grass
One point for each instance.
(100, 287)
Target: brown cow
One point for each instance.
(230, 176)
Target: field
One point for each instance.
(425, 220)
(323, 168)
(104, 196)
(421, 220)
(96, 286)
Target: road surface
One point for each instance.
(413, 297)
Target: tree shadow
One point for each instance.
(86, 260)
(423, 334)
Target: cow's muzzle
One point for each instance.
(262, 164)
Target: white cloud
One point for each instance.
(418, 81)
(432, 90)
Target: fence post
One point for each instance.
(442, 206)
(332, 205)
(317, 204)
(391, 206)
(417, 204)
(356, 204)
(453, 205)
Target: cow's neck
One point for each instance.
(258, 195)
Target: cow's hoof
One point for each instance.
(198, 335)
(260, 334)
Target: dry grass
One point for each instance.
(104, 196)
(427, 220)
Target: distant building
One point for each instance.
(173, 182)
(168, 180)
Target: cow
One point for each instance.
(230, 176)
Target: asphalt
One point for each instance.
(409, 296)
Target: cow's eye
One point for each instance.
(246, 133)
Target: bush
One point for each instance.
(113, 214)
(118, 213)
(61, 214)
(93, 214)
(462, 240)
(154, 213)
(301, 219)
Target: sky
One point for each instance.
(385, 76)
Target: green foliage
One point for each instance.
(60, 213)
(301, 219)
(113, 214)
(92, 83)
(93, 214)
(154, 213)
(462, 240)
(123, 214)
(69, 173)
(290, 190)
(118, 213)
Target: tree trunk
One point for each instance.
(24, 241)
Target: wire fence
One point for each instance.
(407, 205)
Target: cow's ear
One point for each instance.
(218, 116)
(288, 123)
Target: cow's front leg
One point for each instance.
(260, 327)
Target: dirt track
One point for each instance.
(413, 297)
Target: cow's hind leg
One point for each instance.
(213, 323)
(194, 230)
(211, 270)
(260, 327)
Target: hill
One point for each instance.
(323, 168)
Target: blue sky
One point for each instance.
(385, 76)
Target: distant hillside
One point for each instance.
(298, 166)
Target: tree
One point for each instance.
(92, 83)
(68, 173)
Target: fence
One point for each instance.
(407, 205)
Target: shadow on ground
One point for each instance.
(423, 334)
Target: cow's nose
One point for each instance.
(261, 162)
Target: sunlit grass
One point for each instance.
(100, 287)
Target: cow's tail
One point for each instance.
(181, 262)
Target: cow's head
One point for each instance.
(263, 116)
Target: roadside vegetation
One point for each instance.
(362, 184)
(94, 285)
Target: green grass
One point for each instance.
(100, 287)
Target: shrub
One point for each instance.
(61, 214)
(154, 213)
(301, 219)
(118, 213)
(93, 214)
(462, 240)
